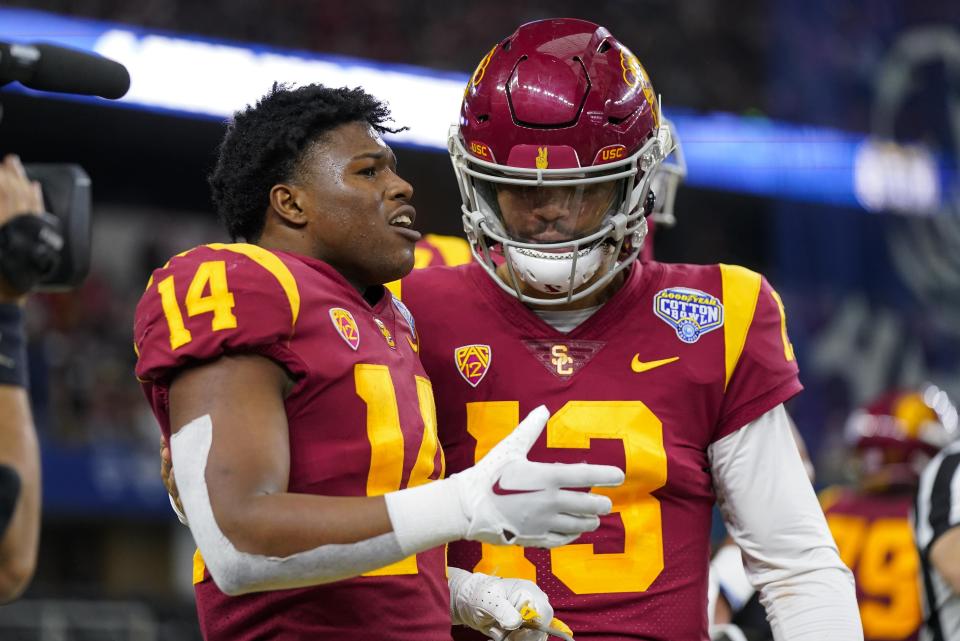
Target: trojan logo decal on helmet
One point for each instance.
(473, 362)
(478, 73)
(346, 326)
(634, 74)
(574, 124)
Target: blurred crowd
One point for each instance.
(81, 349)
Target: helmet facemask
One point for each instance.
(562, 234)
(667, 179)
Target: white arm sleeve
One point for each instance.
(772, 513)
(237, 572)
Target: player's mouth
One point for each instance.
(402, 220)
(549, 238)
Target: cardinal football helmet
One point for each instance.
(898, 433)
(560, 133)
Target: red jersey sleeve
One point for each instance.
(761, 370)
(215, 300)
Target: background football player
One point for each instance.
(891, 440)
(677, 373)
(300, 422)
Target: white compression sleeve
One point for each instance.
(237, 572)
(772, 513)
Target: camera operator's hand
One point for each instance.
(18, 195)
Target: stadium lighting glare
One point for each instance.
(202, 78)
(891, 177)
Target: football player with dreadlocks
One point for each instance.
(675, 373)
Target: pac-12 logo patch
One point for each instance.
(473, 361)
(346, 326)
(691, 312)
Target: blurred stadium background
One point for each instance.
(822, 139)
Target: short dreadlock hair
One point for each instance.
(264, 144)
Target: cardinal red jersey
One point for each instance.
(361, 422)
(679, 357)
(873, 534)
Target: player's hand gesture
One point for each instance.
(510, 500)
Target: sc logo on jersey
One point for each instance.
(561, 360)
(691, 312)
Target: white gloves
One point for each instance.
(505, 498)
(493, 605)
(509, 499)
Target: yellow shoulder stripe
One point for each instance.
(453, 249)
(787, 345)
(272, 263)
(198, 567)
(741, 288)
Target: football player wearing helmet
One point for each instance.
(300, 422)
(891, 440)
(676, 373)
(434, 250)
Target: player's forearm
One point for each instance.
(813, 606)
(260, 561)
(18, 545)
(284, 524)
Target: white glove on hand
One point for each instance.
(504, 498)
(510, 500)
(492, 605)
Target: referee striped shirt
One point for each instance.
(937, 510)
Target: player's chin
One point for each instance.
(395, 263)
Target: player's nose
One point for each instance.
(399, 189)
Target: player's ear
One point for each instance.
(286, 201)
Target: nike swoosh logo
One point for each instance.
(642, 366)
(415, 346)
(499, 490)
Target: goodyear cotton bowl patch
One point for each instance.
(690, 312)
